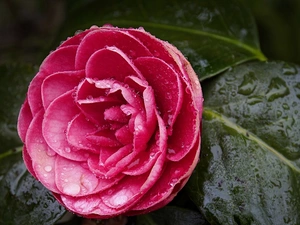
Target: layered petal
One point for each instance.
(111, 122)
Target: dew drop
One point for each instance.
(248, 84)
(156, 53)
(120, 197)
(288, 69)
(285, 106)
(132, 54)
(171, 151)
(255, 99)
(173, 182)
(138, 127)
(48, 168)
(152, 155)
(50, 152)
(68, 149)
(89, 97)
(78, 32)
(297, 90)
(222, 91)
(277, 89)
(141, 28)
(71, 189)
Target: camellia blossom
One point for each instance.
(111, 122)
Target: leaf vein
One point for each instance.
(227, 122)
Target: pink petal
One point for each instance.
(89, 206)
(102, 38)
(75, 40)
(115, 114)
(96, 164)
(73, 179)
(34, 92)
(161, 143)
(141, 133)
(125, 193)
(143, 162)
(62, 59)
(114, 158)
(155, 46)
(171, 181)
(127, 93)
(43, 165)
(185, 130)
(28, 162)
(124, 136)
(57, 116)
(24, 120)
(189, 76)
(77, 131)
(59, 83)
(166, 84)
(104, 138)
(110, 63)
(93, 106)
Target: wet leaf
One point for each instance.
(249, 172)
(172, 216)
(214, 36)
(14, 82)
(23, 199)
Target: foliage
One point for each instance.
(249, 169)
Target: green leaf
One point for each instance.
(171, 215)
(14, 82)
(213, 35)
(249, 172)
(23, 199)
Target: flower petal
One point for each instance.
(173, 177)
(185, 130)
(57, 116)
(166, 84)
(59, 83)
(110, 63)
(24, 120)
(62, 59)
(101, 38)
(43, 165)
(77, 131)
(73, 179)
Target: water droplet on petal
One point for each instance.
(173, 182)
(68, 149)
(89, 97)
(50, 152)
(48, 168)
(120, 197)
(71, 189)
(152, 155)
(171, 151)
(78, 32)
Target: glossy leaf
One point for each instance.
(249, 172)
(14, 81)
(23, 200)
(212, 34)
(171, 215)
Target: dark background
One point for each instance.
(28, 28)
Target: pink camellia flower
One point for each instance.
(111, 122)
